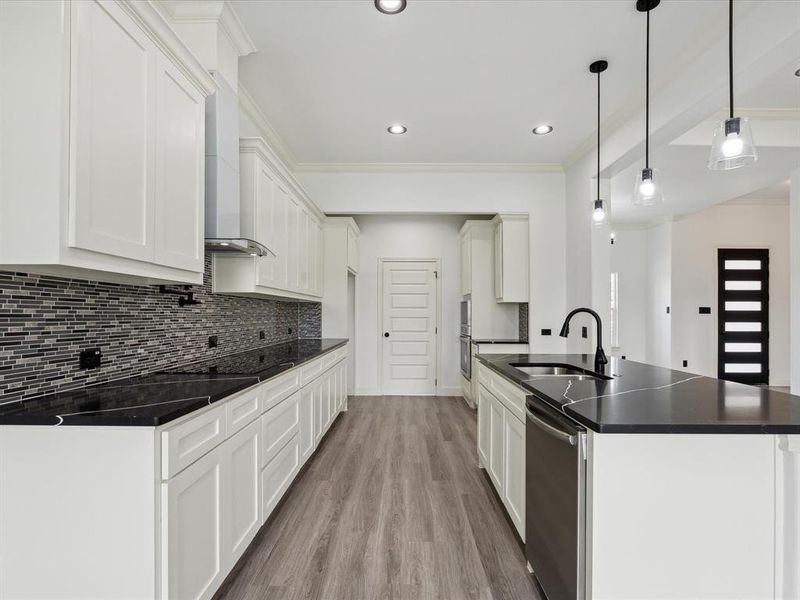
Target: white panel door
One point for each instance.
(179, 202)
(514, 470)
(192, 536)
(113, 62)
(242, 501)
(409, 297)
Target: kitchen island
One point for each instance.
(674, 485)
(154, 486)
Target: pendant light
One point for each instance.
(647, 189)
(599, 214)
(732, 145)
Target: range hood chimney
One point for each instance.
(223, 212)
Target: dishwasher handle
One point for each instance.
(552, 431)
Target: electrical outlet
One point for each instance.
(547, 332)
(290, 331)
(261, 335)
(686, 363)
(212, 341)
(584, 332)
(704, 310)
(668, 310)
(623, 357)
(90, 359)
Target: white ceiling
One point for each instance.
(469, 78)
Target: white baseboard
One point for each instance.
(449, 390)
(779, 383)
(367, 392)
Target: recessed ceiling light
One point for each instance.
(397, 129)
(390, 7)
(542, 129)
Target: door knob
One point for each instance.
(386, 334)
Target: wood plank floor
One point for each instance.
(392, 506)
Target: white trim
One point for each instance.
(248, 106)
(450, 391)
(309, 167)
(149, 18)
(259, 147)
(437, 262)
(212, 11)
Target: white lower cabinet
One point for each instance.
(514, 470)
(192, 533)
(242, 487)
(278, 474)
(217, 495)
(501, 442)
(496, 430)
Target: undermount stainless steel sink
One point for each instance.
(553, 370)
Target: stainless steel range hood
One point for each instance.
(223, 209)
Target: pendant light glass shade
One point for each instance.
(599, 214)
(648, 189)
(732, 145)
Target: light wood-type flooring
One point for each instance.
(392, 506)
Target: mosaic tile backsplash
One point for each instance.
(523, 322)
(46, 321)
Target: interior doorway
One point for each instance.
(743, 315)
(409, 317)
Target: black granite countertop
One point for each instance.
(153, 400)
(641, 398)
(500, 341)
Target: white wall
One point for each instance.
(410, 236)
(794, 218)
(466, 191)
(629, 261)
(695, 240)
(658, 336)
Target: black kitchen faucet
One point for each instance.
(600, 360)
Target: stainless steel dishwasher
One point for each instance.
(555, 501)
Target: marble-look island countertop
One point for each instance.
(641, 398)
(153, 400)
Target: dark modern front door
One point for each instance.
(743, 309)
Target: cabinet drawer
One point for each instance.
(185, 443)
(277, 476)
(241, 411)
(311, 371)
(510, 395)
(278, 425)
(275, 390)
(332, 358)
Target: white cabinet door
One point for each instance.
(514, 470)
(111, 200)
(192, 529)
(279, 241)
(484, 407)
(266, 209)
(278, 475)
(242, 501)
(179, 176)
(498, 260)
(308, 397)
(320, 410)
(496, 428)
(303, 249)
(333, 397)
(316, 262)
(293, 243)
(352, 250)
(466, 263)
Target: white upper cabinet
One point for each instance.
(118, 192)
(275, 212)
(511, 258)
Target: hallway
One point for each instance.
(393, 505)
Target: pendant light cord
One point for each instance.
(730, 53)
(598, 135)
(647, 98)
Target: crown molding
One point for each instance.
(248, 105)
(212, 11)
(428, 168)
